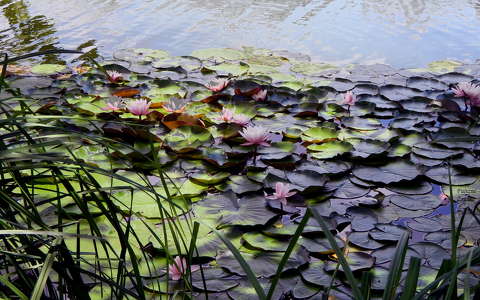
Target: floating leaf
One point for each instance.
(319, 135)
(48, 69)
(329, 149)
(187, 138)
(227, 209)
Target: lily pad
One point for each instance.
(329, 149)
(48, 69)
(227, 209)
(396, 171)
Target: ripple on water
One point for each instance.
(406, 33)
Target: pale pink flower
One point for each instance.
(282, 192)
(139, 107)
(114, 76)
(349, 98)
(255, 135)
(241, 119)
(179, 268)
(174, 106)
(468, 90)
(217, 84)
(260, 95)
(229, 116)
(226, 115)
(444, 198)
(113, 106)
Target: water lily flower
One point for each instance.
(175, 106)
(260, 95)
(113, 106)
(349, 98)
(468, 90)
(226, 115)
(282, 192)
(229, 116)
(241, 119)
(217, 84)
(139, 107)
(179, 268)
(255, 135)
(444, 198)
(465, 89)
(114, 76)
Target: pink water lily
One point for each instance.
(173, 106)
(226, 115)
(241, 119)
(468, 90)
(349, 98)
(114, 76)
(255, 135)
(282, 192)
(217, 84)
(113, 106)
(260, 95)
(139, 107)
(179, 268)
(229, 116)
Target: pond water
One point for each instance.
(403, 33)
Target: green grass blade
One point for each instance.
(46, 269)
(366, 285)
(288, 252)
(357, 294)
(250, 275)
(466, 280)
(4, 280)
(412, 279)
(396, 268)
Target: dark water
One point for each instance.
(404, 33)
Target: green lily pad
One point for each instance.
(230, 68)
(329, 149)
(48, 69)
(187, 138)
(210, 179)
(319, 135)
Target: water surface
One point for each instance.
(404, 33)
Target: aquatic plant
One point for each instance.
(229, 116)
(218, 84)
(255, 136)
(282, 192)
(113, 106)
(139, 107)
(349, 98)
(179, 268)
(114, 76)
(261, 95)
(113, 202)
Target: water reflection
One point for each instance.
(27, 33)
(405, 33)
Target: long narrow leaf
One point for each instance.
(412, 279)
(4, 280)
(250, 275)
(46, 269)
(288, 252)
(396, 268)
(357, 294)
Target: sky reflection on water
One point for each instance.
(404, 33)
